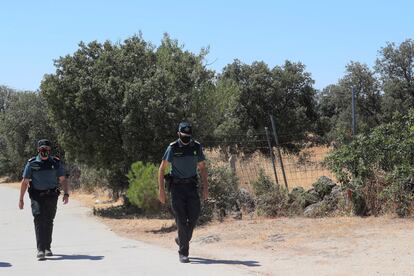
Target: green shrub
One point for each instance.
(91, 178)
(377, 167)
(223, 192)
(263, 184)
(143, 188)
(271, 200)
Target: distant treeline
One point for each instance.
(110, 104)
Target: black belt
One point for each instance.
(48, 192)
(190, 180)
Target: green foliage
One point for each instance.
(381, 159)
(271, 200)
(252, 92)
(335, 114)
(143, 187)
(23, 121)
(223, 192)
(263, 184)
(395, 66)
(115, 103)
(91, 178)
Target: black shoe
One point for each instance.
(40, 255)
(183, 259)
(48, 253)
(177, 241)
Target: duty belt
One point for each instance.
(190, 180)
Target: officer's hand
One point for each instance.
(65, 199)
(21, 204)
(162, 196)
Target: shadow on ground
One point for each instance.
(2, 264)
(196, 260)
(58, 257)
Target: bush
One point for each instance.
(91, 178)
(271, 200)
(377, 167)
(223, 192)
(143, 187)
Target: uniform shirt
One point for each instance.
(44, 174)
(184, 158)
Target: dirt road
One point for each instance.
(253, 246)
(84, 246)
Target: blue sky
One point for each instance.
(324, 35)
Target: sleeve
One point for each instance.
(61, 170)
(201, 156)
(168, 155)
(27, 172)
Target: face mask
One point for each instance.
(185, 139)
(44, 153)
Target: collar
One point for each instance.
(38, 159)
(182, 145)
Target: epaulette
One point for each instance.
(197, 142)
(31, 159)
(56, 158)
(174, 143)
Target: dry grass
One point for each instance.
(300, 170)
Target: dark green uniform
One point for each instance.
(184, 192)
(43, 194)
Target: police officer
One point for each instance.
(185, 155)
(42, 175)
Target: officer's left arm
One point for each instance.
(203, 173)
(64, 184)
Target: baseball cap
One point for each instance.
(44, 143)
(185, 128)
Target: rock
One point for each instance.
(323, 186)
(208, 239)
(276, 238)
(315, 210)
(310, 197)
(298, 197)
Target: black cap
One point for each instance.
(185, 127)
(44, 143)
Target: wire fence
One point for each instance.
(247, 157)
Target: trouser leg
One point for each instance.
(44, 212)
(193, 211)
(180, 213)
(186, 207)
(50, 213)
(37, 219)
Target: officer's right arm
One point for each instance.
(23, 188)
(161, 172)
(27, 172)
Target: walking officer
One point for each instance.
(42, 175)
(184, 155)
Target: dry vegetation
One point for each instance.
(301, 170)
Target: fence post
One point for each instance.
(271, 154)
(278, 151)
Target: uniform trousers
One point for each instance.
(186, 208)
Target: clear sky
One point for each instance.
(325, 35)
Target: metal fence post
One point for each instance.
(278, 151)
(271, 154)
